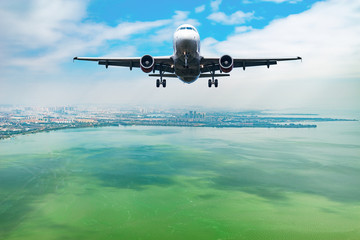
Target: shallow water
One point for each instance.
(182, 183)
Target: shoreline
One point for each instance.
(196, 125)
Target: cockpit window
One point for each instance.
(187, 28)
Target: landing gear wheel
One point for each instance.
(216, 83)
(209, 83)
(157, 83)
(164, 83)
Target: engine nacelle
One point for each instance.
(147, 63)
(226, 63)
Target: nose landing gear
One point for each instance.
(186, 60)
(213, 81)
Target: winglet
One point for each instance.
(75, 58)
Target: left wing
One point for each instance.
(163, 63)
(213, 64)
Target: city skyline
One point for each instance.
(39, 47)
(19, 120)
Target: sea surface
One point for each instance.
(182, 183)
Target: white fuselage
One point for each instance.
(186, 55)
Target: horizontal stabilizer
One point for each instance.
(207, 75)
(164, 75)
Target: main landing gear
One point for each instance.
(213, 81)
(160, 82)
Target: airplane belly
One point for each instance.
(186, 57)
(187, 74)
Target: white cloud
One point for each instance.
(274, 1)
(39, 24)
(238, 17)
(165, 33)
(45, 34)
(215, 4)
(243, 29)
(200, 9)
(327, 37)
(207, 46)
(85, 38)
(282, 1)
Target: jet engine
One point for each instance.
(147, 63)
(226, 63)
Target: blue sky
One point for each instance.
(40, 37)
(263, 12)
(113, 12)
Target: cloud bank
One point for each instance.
(238, 17)
(50, 33)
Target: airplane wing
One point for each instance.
(165, 63)
(212, 64)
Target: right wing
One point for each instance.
(212, 64)
(163, 63)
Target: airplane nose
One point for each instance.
(189, 36)
(186, 41)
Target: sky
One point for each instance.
(39, 39)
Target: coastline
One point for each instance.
(159, 125)
(15, 122)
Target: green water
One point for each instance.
(182, 183)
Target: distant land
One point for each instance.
(17, 120)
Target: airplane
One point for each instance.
(186, 63)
